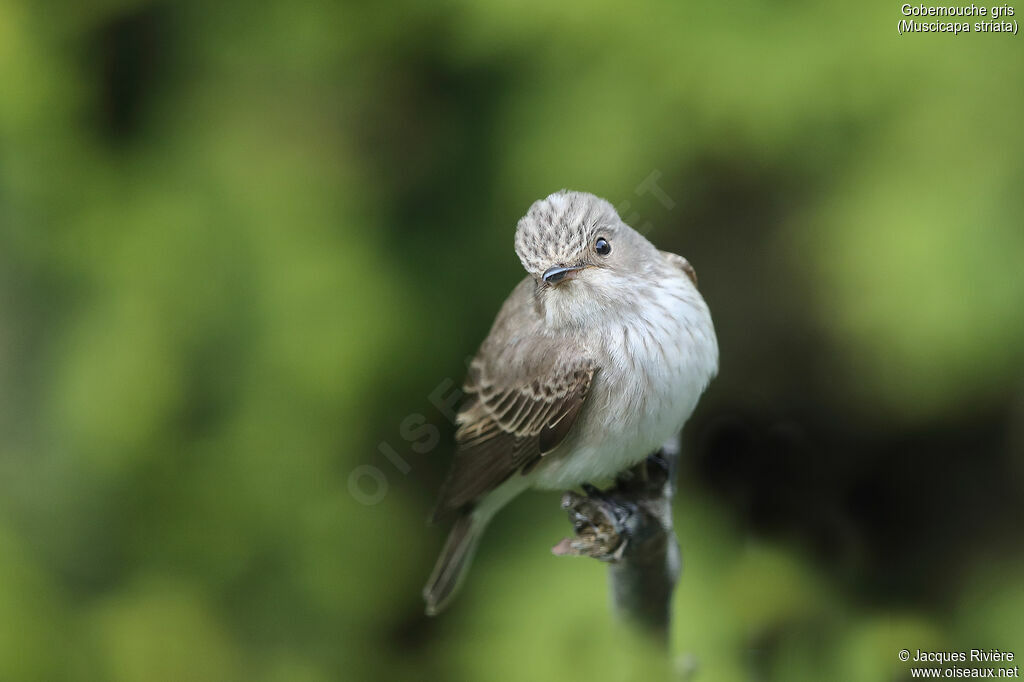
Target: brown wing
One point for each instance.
(506, 426)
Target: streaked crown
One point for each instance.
(559, 229)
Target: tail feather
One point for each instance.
(454, 561)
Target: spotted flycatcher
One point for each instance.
(596, 358)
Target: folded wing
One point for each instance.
(524, 392)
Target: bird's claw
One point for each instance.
(600, 523)
(606, 520)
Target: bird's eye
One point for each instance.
(602, 246)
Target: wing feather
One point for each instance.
(525, 390)
(503, 430)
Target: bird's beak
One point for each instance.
(559, 273)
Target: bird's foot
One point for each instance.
(601, 521)
(606, 520)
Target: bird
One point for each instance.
(597, 357)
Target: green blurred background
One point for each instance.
(243, 244)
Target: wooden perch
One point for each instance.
(629, 526)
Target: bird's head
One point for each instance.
(581, 255)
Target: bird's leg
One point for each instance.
(579, 519)
(601, 523)
(651, 471)
(658, 467)
(605, 520)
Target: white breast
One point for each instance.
(657, 355)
